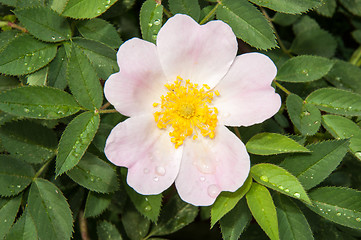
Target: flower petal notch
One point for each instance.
(180, 94)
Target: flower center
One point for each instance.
(186, 108)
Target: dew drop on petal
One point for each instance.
(213, 190)
(264, 178)
(156, 179)
(146, 170)
(202, 179)
(160, 171)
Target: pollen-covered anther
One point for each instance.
(186, 108)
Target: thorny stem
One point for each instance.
(13, 25)
(209, 15)
(282, 87)
(105, 106)
(282, 46)
(41, 170)
(237, 132)
(83, 226)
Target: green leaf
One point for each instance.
(44, 23)
(148, 205)
(15, 175)
(8, 210)
(306, 117)
(24, 228)
(75, 141)
(150, 18)
(236, 221)
(279, 179)
(354, 6)
(96, 204)
(289, 6)
(327, 9)
(83, 81)
(29, 141)
(344, 128)
(102, 57)
(226, 201)
(57, 70)
(86, 8)
(345, 75)
(247, 23)
(339, 205)
(305, 24)
(93, 173)
(107, 231)
(336, 101)
(6, 37)
(291, 221)
(57, 5)
(38, 78)
(273, 143)
(284, 19)
(7, 82)
(135, 225)
(314, 42)
(260, 203)
(188, 7)
(176, 214)
(25, 55)
(38, 102)
(304, 69)
(100, 30)
(50, 211)
(314, 167)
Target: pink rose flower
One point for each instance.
(180, 95)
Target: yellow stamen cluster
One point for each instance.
(186, 109)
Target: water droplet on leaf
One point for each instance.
(297, 195)
(264, 178)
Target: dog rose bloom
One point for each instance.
(180, 95)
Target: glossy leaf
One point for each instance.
(247, 23)
(135, 225)
(273, 143)
(188, 7)
(279, 179)
(24, 228)
(44, 23)
(94, 174)
(96, 204)
(38, 78)
(107, 231)
(7, 82)
(15, 175)
(314, 167)
(344, 128)
(306, 117)
(339, 205)
(314, 42)
(38, 102)
(25, 55)
(8, 210)
(261, 204)
(86, 9)
(83, 80)
(57, 70)
(49, 210)
(336, 101)
(354, 6)
(226, 201)
(102, 57)
(328, 8)
(29, 141)
(291, 221)
(151, 17)
(75, 140)
(175, 215)
(236, 221)
(304, 68)
(100, 30)
(289, 6)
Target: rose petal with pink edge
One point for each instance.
(211, 166)
(200, 53)
(140, 81)
(152, 160)
(246, 95)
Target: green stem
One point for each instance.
(237, 132)
(13, 25)
(356, 57)
(282, 88)
(209, 15)
(41, 170)
(167, 13)
(108, 111)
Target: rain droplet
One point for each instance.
(160, 170)
(148, 208)
(154, 36)
(5, 220)
(358, 154)
(108, 2)
(202, 179)
(213, 191)
(156, 179)
(297, 195)
(150, 24)
(18, 186)
(338, 214)
(52, 37)
(287, 190)
(157, 22)
(50, 207)
(281, 187)
(358, 219)
(264, 178)
(26, 110)
(99, 11)
(146, 170)
(29, 68)
(92, 179)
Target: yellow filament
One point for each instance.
(186, 109)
